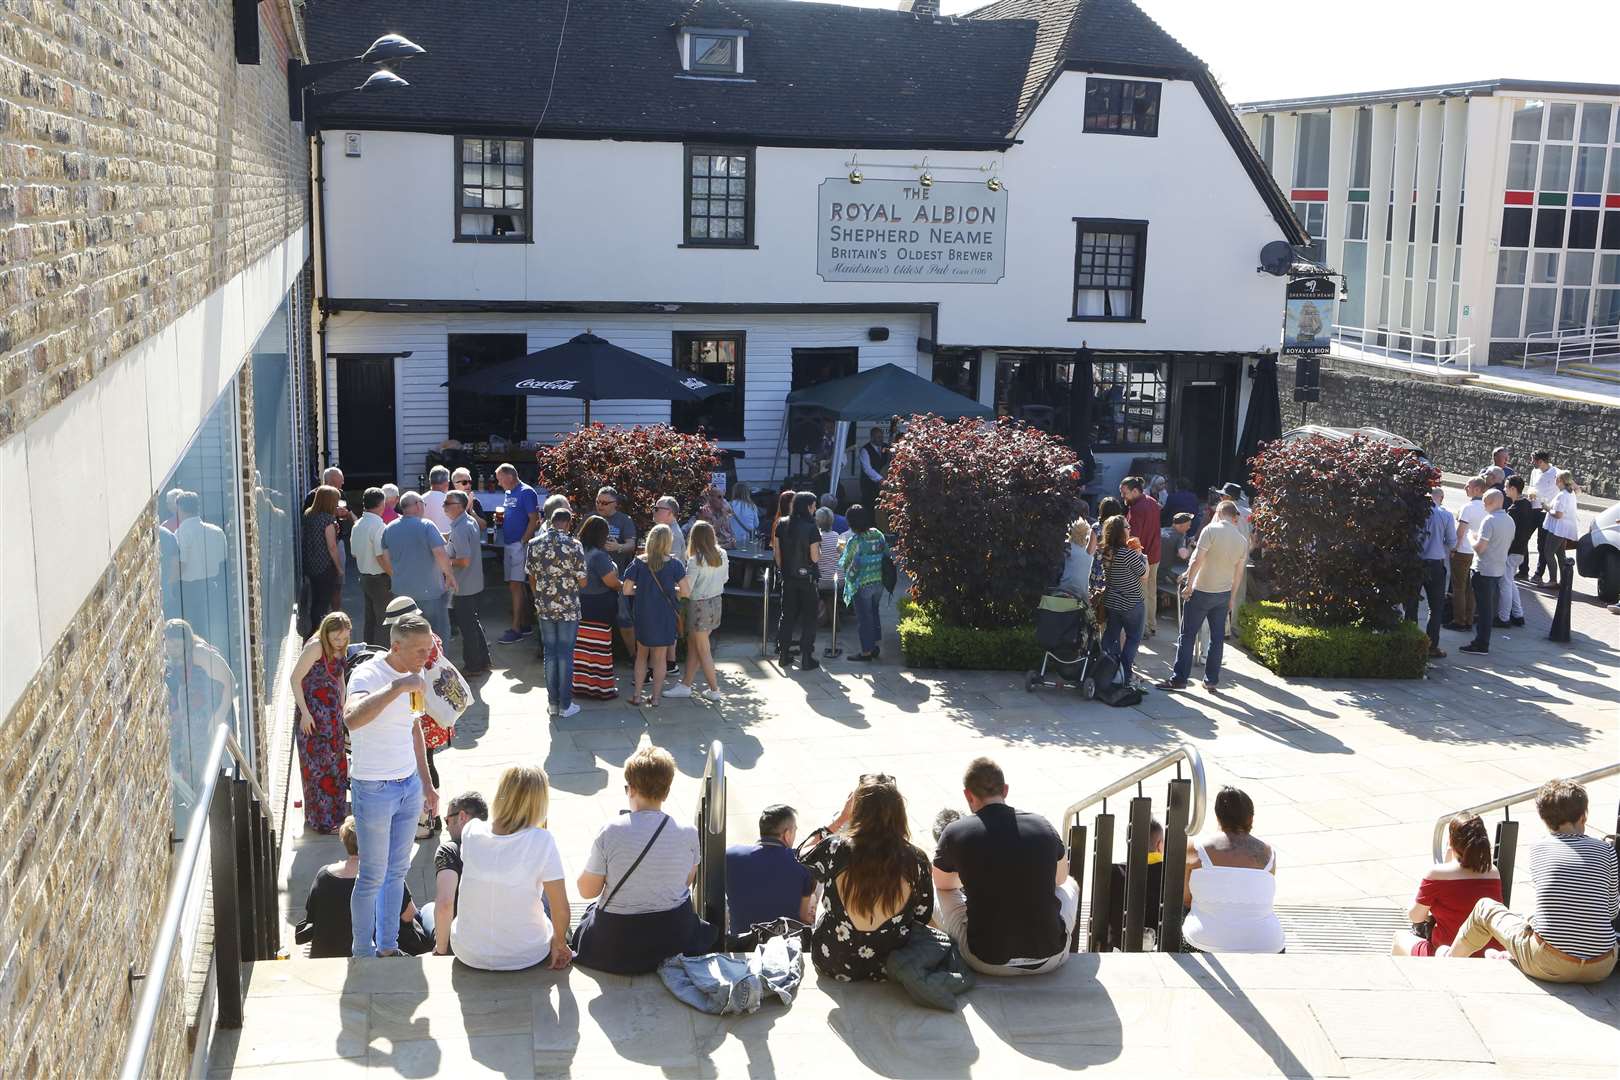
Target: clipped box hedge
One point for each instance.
(1285, 643)
(928, 642)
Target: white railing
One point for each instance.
(1571, 343)
(1422, 352)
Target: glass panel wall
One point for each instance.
(274, 480)
(204, 641)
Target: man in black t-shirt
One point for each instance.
(437, 916)
(798, 552)
(1013, 867)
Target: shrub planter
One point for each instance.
(928, 642)
(1284, 642)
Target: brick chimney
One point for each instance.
(927, 9)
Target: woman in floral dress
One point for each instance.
(318, 688)
(878, 886)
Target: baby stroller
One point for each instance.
(1064, 631)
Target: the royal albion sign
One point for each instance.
(899, 230)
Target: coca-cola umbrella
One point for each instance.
(588, 368)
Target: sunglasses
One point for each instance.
(876, 778)
(463, 483)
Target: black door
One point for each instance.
(1203, 435)
(365, 406)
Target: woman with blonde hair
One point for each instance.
(1563, 518)
(323, 564)
(1449, 891)
(319, 681)
(879, 887)
(1077, 560)
(512, 904)
(656, 579)
(707, 568)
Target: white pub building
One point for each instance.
(775, 193)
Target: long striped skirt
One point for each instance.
(593, 661)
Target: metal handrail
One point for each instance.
(1184, 752)
(1453, 350)
(714, 787)
(709, 884)
(1587, 335)
(1506, 801)
(157, 968)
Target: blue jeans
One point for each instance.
(557, 638)
(437, 613)
(385, 813)
(867, 621)
(1199, 608)
(1130, 623)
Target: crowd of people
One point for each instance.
(1136, 549)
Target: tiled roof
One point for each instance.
(813, 73)
(1103, 31)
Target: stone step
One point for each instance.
(1590, 371)
(1117, 1015)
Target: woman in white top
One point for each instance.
(707, 569)
(1563, 519)
(1231, 885)
(508, 864)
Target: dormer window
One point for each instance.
(713, 52)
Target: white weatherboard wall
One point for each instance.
(106, 448)
(422, 403)
(609, 214)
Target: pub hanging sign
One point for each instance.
(902, 230)
(1308, 325)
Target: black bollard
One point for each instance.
(1566, 589)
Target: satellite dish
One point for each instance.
(1276, 257)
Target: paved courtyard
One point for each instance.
(1348, 778)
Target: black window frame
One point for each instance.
(1138, 276)
(714, 150)
(1133, 414)
(692, 65)
(682, 413)
(457, 209)
(1115, 101)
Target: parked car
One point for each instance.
(1339, 434)
(1598, 554)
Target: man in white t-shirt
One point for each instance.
(433, 498)
(1543, 491)
(1462, 558)
(388, 780)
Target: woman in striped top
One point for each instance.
(1571, 936)
(1124, 564)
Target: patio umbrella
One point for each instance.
(589, 368)
(1263, 422)
(1080, 398)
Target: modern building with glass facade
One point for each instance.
(154, 335)
(1484, 211)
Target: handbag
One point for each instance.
(446, 698)
(631, 944)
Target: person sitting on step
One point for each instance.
(1571, 936)
(1449, 891)
(1231, 885)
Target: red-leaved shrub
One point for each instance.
(643, 463)
(981, 515)
(1339, 521)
